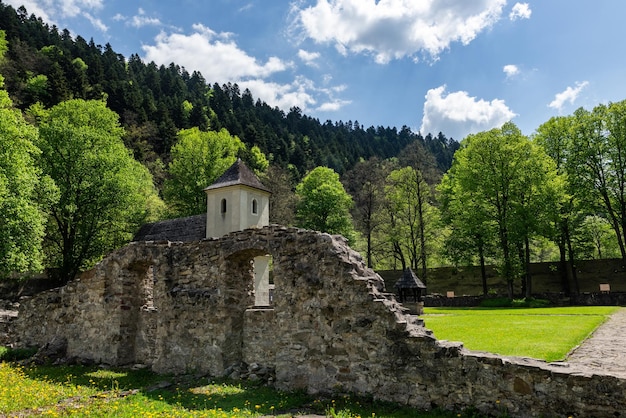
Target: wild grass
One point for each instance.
(77, 391)
(541, 333)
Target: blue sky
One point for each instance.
(455, 66)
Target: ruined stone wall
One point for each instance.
(182, 307)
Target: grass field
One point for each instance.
(542, 333)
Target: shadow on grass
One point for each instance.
(202, 393)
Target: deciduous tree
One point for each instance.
(104, 194)
(411, 218)
(555, 137)
(598, 163)
(472, 233)
(323, 203)
(22, 218)
(365, 183)
(198, 159)
(513, 184)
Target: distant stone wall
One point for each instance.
(188, 307)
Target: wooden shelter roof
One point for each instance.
(409, 280)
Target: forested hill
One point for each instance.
(45, 64)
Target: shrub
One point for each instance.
(496, 303)
(15, 354)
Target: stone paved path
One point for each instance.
(605, 350)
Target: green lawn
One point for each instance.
(542, 333)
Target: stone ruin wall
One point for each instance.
(187, 307)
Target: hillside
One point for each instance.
(46, 64)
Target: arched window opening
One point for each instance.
(223, 206)
(255, 207)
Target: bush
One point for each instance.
(15, 354)
(496, 303)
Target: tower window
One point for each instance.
(255, 207)
(223, 206)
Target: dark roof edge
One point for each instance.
(238, 174)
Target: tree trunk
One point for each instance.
(483, 269)
(369, 249)
(509, 288)
(527, 275)
(571, 269)
(565, 277)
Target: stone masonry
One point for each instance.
(189, 307)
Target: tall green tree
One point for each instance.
(104, 194)
(472, 231)
(283, 198)
(411, 218)
(598, 163)
(22, 188)
(323, 203)
(512, 182)
(555, 136)
(598, 239)
(365, 183)
(198, 159)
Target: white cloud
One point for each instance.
(510, 70)
(393, 29)
(218, 58)
(246, 7)
(308, 57)
(97, 23)
(333, 105)
(221, 60)
(139, 21)
(569, 95)
(520, 11)
(457, 114)
(285, 96)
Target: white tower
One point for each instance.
(236, 201)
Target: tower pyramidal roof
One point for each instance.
(238, 174)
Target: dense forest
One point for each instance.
(45, 64)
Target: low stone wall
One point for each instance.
(555, 299)
(436, 300)
(183, 307)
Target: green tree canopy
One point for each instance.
(22, 220)
(509, 185)
(365, 183)
(410, 218)
(597, 166)
(471, 234)
(555, 136)
(104, 194)
(323, 203)
(198, 159)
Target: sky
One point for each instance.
(451, 66)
